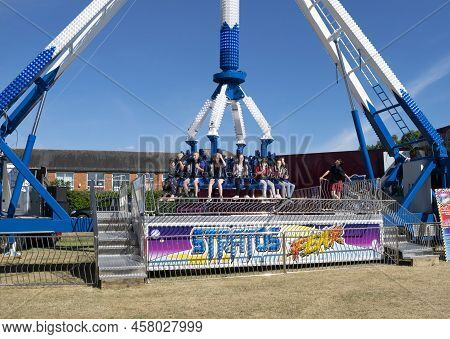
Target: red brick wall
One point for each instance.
(80, 181)
(51, 176)
(133, 177)
(158, 182)
(108, 182)
(81, 184)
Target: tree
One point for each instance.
(407, 137)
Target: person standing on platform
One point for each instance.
(338, 175)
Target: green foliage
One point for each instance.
(78, 199)
(151, 200)
(410, 136)
(81, 199)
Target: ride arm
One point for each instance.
(375, 60)
(239, 125)
(198, 121)
(357, 90)
(58, 55)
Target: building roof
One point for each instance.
(99, 161)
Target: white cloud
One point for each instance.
(346, 139)
(435, 73)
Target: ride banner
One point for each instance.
(443, 201)
(175, 247)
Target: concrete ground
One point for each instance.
(378, 291)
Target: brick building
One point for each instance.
(109, 169)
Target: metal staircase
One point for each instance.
(118, 248)
(398, 240)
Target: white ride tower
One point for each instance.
(229, 91)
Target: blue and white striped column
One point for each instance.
(229, 35)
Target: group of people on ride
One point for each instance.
(245, 175)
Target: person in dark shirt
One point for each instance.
(217, 174)
(180, 169)
(171, 183)
(194, 173)
(337, 177)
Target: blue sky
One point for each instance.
(165, 53)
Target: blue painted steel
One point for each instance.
(240, 148)
(58, 211)
(264, 147)
(424, 175)
(19, 181)
(382, 132)
(27, 104)
(230, 77)
(193, 144)
(363, 145)
(214, 143)
(2, 163)
(392, 176)
(229, 47)
(423, 125)
(445, 174)
(24, 80)
(36, 225)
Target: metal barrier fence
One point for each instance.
(198, 206)
(138, 211)
(356, 189)
(206, 253)
(47, 260)
(112, 201)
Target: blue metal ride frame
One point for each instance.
(363, 144)
(60, 221)
(58, 212)
(438, 162)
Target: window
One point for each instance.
(66, 178)
(120, 179)
(98, 178)
(148, 178)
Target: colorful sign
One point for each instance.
(171, 247)
(443, 201)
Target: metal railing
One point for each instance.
(138, 212)
(427, 235)
(198, 206)
(47, 260)
(206, 252)
(356, 189)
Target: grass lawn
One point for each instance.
(377, 291)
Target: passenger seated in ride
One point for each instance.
(171, 183)
(217, 174)
(240, 174)
(180, 167)
(290, 187)
(263, 174)
(195, 172)
(276, 178)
